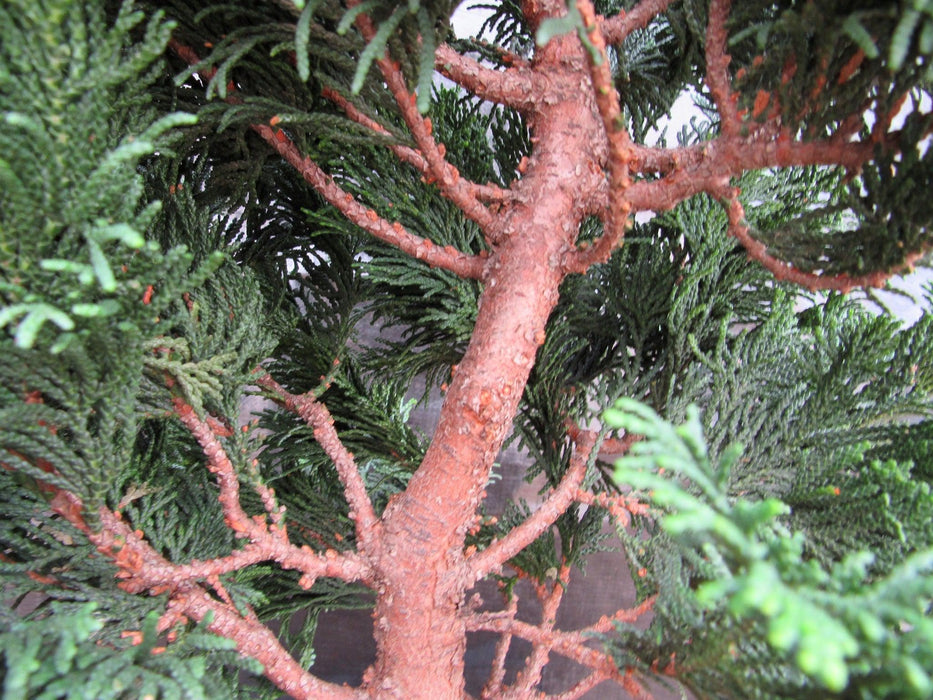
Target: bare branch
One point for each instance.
(487, 193)
(448, 257)
(316, 415)
(218, 463)
(785, 271)
(621, 507)
(572, 645)
(708, 166)
(616, 29)
(512, 87)
(530, 675)
(142, 569)
(257, 641)
(625, 615)
(499, 552)
(717, 67)
(615, 217)
(493, 687)
(458, 190)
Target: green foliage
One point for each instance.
(74, 127)
(56, 655)
(837, 625)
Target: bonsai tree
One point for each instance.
(206, 202)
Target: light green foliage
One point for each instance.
(74, 127)
(104, 316)
(834, 622)
(55, 656)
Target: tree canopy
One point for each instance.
(206, 202)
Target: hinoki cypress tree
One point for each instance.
(202, 202)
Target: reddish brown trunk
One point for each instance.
(420, 632)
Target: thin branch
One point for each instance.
(512, 87)
(141, 569)
(707, 167)
(493, 687)
(218, 463)
(615, 218)
(615, 29)
(316, 415)
(785, 271)
(530, 675)
(717, 67)
(572, 645)
(500, 551)
(257, 641)
(487, 193)
(458, 190)
(582, 688)
(625, 615)
(447, 257)
(621, 507)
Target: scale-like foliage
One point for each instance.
(844, 630)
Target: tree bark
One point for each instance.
(421, 642)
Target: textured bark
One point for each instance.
(422, 568)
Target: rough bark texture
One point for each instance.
(426, 527)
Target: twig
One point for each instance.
(615, 29)
(717, 67)
(460, 191)
(316, 415)
(615, 218)
(530, 675)
(487, 193)
(569, 644)
(447, 257)
(500, 551)
(627, 615)
(512, 87)
(493, 688)
(621, 507)
(257, 641)
(141, 569)
(785, 271)
(220, 466)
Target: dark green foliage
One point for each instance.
(831, 402)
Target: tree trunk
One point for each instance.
(419, 626)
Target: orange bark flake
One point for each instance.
(761, 102)
(851, 66)
(135, 636)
